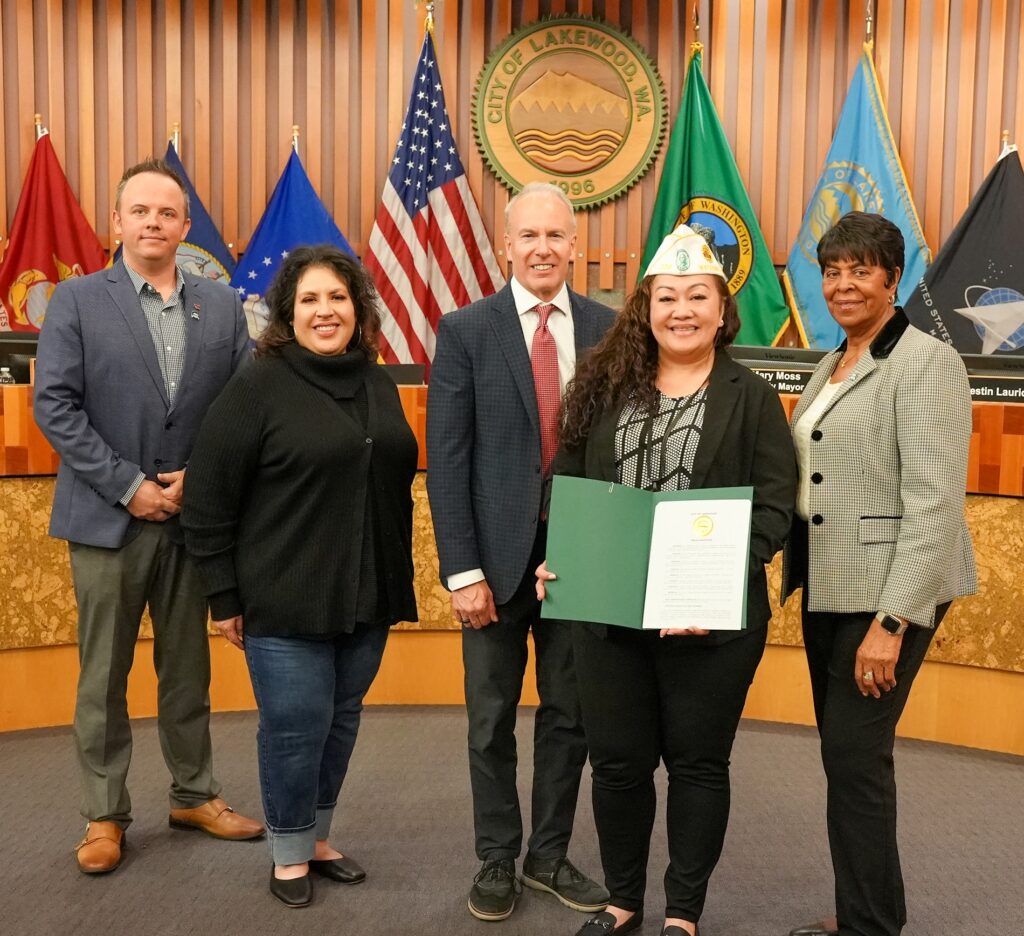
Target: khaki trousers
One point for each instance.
(113, 587)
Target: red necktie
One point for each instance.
(544, 360)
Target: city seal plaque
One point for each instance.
(570, 100)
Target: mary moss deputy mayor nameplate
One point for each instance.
(573, 101)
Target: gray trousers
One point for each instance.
(495, 661)
(112, 588)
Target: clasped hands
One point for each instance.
(546, 575)
(161, 501)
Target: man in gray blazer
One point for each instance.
(491, 418)
(129, 359)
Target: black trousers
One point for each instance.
(495, 658)
(857, 737)
(647, 699)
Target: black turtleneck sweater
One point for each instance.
(297, 505)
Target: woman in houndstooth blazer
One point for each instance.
(880, 546)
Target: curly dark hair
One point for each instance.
(864, 238)
(623, 365)
(281, 297)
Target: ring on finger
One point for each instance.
(868, 676)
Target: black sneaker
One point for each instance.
(560, 877)
(495, 890)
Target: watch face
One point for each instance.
(892, 624)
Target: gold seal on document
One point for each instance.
(703, 526)
(570, 100)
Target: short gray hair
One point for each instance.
(540, 188)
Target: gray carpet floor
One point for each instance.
(406, 817)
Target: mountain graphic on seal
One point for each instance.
(564, 123)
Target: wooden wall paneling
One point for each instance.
(345, 159)
(883, 48)
(398, 87)
(257, 48)
(964, 128)
(25, 56)
(996, 61)
(500, 193)
(796, 123)
(472, 161)
(1017, 130)
(229, 121)
(202, 149)
(53, 91)
(914, 35)
(743, 69)
(172, 73)
(148, 137)
(314, 94)
(771, 95)
(662, 51)
(635, 197)
(368, 190)
(86, 115)
(117, 156)
(605, 243)
(929, 195)
(285, 113)
(831, 88)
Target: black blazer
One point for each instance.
(745, 441)
(483, 438)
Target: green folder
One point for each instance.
(599, 546)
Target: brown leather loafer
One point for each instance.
(218, 819)
(100, 850)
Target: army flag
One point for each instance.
(294, 217)
(701, 186)
(972, 296)
(51, 240)
(862, 172)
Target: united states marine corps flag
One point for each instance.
(701, 187)
(50, 241)
(972, 296)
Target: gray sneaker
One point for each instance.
(495, 889)
(560, 877)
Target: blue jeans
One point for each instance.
(310, 695)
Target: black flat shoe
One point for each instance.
(344, 870)
(297, 892)
(814, 929)
(678, 931)
(604, 925)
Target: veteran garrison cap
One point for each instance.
(684, 253)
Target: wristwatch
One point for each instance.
(892, 624)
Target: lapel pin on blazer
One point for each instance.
(195, 311)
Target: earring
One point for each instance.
(892, 298)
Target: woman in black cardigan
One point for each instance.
(660, 405)
(297, 510)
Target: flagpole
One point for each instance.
(176, 137)
(295, 137)
(869, 22)
(428, 22)
(41, 131)
(696, 45)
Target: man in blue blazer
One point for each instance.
(488, 444)
(129, 359)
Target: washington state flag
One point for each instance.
(701, 186)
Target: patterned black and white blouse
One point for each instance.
(656, 451)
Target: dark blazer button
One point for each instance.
(158, 462)
(169, 425)
(816, 435)
(816, 477)
(369, 441)
(817, 519)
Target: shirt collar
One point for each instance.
(138, 280)
(526, 301)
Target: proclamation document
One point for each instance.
(697, 572)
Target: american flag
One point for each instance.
(428, 251)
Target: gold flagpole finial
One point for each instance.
(429, 22)
(696, 46)
(176, 137)
(295, 137)
(41, 131)
(869, 21)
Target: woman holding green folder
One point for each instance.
(660, 405)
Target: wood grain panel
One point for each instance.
(239, 73)
(3, 149)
